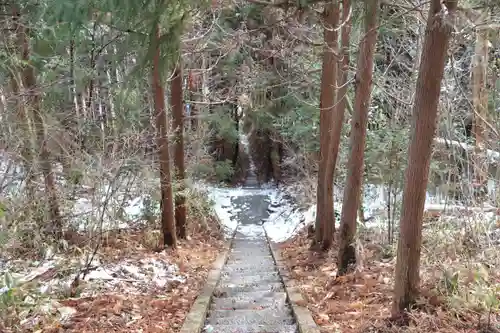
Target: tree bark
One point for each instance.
(33, 102)
(355, 164)
(167, 206)
(28, 146)
(480, 102)
(178, 120)
(437, 35)
(324, 214)
(336, 124)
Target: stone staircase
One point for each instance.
(250, 295)
(251, 180)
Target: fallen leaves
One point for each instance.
(361, 301)
(157, 308)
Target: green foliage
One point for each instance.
(300, 127)
(470, 288)
(224, 170)
(386, 146)
(8, 286)
(223, 125)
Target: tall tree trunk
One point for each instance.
(325, 221)
(112, 112)
(192, 87)
(167, 206)
(178, 120)
(92, 65)
(437, 35)
(29, 82)
(336, 126)
(355, 164)
(480, 102)
(72, 83)
(28, 146)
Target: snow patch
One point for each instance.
(285, 218)
(132, 275)
(252, 231)
(222, 203)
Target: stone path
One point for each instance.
(250, 296)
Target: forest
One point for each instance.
(129, 129)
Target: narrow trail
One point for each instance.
(250, 295)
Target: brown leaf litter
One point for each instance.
(361, 301)
(155, 309)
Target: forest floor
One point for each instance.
(460, 283)
(125, 285)
(133, 289)
(154, 308)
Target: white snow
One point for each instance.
(222, 198)
(252, 231)
(494, 156)
(285, 219)
(133, 275)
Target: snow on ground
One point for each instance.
(494, 156)
(133, 275)
(89, 212)
(222, 205)
(285, 217)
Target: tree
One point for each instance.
(178, 122)
(34, 105)
(336, 123)
(424, 119)
(355, 164)
(22, 114)
(325, 220)
(480, 103)
(167, 206)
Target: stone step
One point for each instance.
(246, 279)
(251, 252)
(247, 241)
(283, 313)
(253, 256)
(250, 277)
(260, 294)
(252, 329)
(247, 245)
(228, 290)
(244, 249)
(245, 264)
(250, 317)
(244, 303)
(249, 269)
(269, 261)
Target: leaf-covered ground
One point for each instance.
(133, 289)
(360, 301)
(157, 309)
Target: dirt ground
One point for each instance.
(154, 309)
(361, 301)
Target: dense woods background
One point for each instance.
(110, 105)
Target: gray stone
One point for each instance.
(254, 329)
(261, 278)
(232, 289)
(251, 318)
(250, 297)
(249, 269)
(242, 303)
